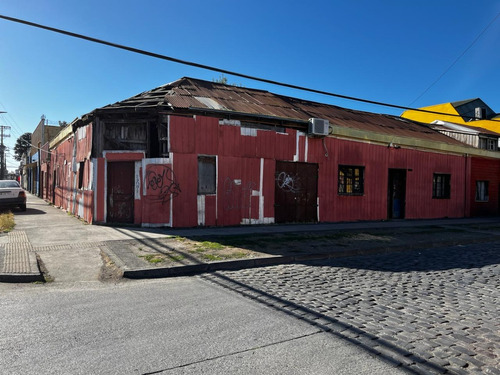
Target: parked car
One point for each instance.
(12, 195)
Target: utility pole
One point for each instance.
(3, 168)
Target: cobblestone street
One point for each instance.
(431, 311)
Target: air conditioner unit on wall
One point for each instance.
(318, 127)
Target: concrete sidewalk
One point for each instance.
(43, 228)
(18, 263)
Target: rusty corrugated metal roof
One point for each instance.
(189, 94)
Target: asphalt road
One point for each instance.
(420, 312)
(185, 325)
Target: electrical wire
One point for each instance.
(456, 60)
(212, 68)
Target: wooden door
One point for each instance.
(120, 199)
(296, 192)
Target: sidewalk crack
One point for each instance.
(236, 353)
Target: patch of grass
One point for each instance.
(208, 245)
(180, 238)
(217, 257)
(238, 255)
(197, 250)
(6, 222)
(211, 257)
(152, 258)
(176, 258)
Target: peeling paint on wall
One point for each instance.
(249, 132)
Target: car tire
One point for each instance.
(22, 207)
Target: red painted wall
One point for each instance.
(239, 163)
(156, 203)
(246, 165)
(483, 169)
(185, 212)
(377, 160)
(67, 193)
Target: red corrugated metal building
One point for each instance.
(196, 153)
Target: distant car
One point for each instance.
(12, 195)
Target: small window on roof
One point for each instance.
(492, 144)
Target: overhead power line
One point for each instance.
(456, 60)
(215, 69)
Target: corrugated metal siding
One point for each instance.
(470, 139)
(239, 184)
(159, 189)
(210, 210)
(185, 207)
(182, 135)
(206, 134)
(485, 170)
(62, 159)
(100, 186)
(420, 203)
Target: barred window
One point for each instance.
(351, 180)
(441, 186)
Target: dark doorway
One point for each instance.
(396, 199)
(120, 200)
(296, 192)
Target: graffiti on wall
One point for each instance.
(288, 182)
(161, 184)
(237, 195)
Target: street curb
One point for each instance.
(21, 277)
(196, 269)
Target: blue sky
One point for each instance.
(388, 51)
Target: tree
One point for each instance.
(23, 145)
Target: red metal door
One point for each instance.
(296, 192)
(120, 192)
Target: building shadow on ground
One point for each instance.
(422, 260)
(381, 348)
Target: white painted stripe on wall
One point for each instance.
(94, 187)
(306, 148)
(261, 186)
(296, 156)
(201, 210)
(81, 205)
